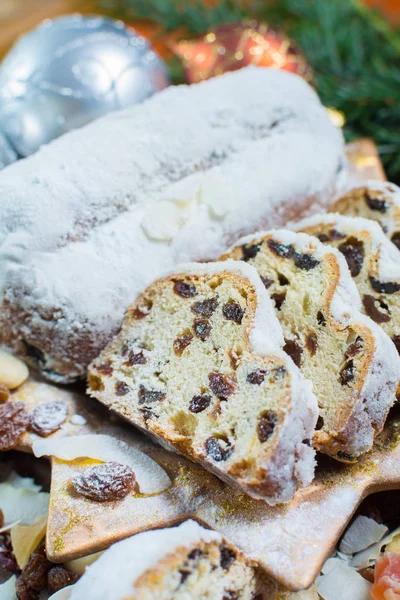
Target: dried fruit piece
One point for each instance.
(59, 577)
(396, 239)
(14, 421)
(182, 342)
(353, 251)
(4, 393)
(121, 388)
(321, 319)
(266, 426)
(7, 558)
(33, 578)
(105, 369)
(250, 251)
(215, 450)
(221, 385)
(376, 203)
(312, 343)
(387, 287)
(233, 312)
(256, 377)
(305, 261)
(146, 395)
(347, 373)
(294, 350)
(355, 348)
(372, 310)
(199, 403)
(281, 249)
(227, 557)
(267, 282)
(136, 357)
(48, 418)
(279, 299)
(105, 483)
(206, 308)
(396, 342)
(185, 290)
(387, 577)
(202, 328)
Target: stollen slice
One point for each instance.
(352, 363)
(373, 261)
(376, 200)
(198, 365)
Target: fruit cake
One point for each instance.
(376, 200)
(96, 215)
(373, 261)
(352, 363)
(177, 563)
(198, 364)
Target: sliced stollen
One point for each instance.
(373, 261)
(198, 364)
(96, 215)
(352, 363)
(177, 563)
(376, 200)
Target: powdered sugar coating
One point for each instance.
(386, 187)
(389, 255)
(177, 178)
(115, 573)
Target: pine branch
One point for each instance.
(354, 52)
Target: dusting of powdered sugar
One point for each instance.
(91, 219)
(115, 573)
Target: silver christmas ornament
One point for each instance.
(69, 71)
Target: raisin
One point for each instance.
(185, 290)
(266, 426)
(105, 369)
(321, 319)
(106, 482)
(233, 312)
(376, 204)
(353, 251)
(4, 393)
(250, 252)
(294, 350)
(136, 358)
(221, 385)
(194, 554)
(305, 261)
(334, 234)
(48, 418)
(396, 342)
(35, 354)
(7, 558)
(59, 577)
(184, 573)
(147, 413)
(282, 279)
(384, 287)
(182, 342)
(202, 328)
(396, 239)
(280, 249)
(323, 237)
(139, 314)
(216, 451)
(312, 343)
(146, 395)
(279, 299)
(320, 423)
(121, 388)
(206, 307)
(355, 348)
(199, 403)
(347, 373)
(267, 282)
(372, 310)
(256, 377)
(14, 421)
(33, 578)
(227, 557)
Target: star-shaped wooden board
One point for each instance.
(290, 542)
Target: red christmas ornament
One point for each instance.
(233, 46)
